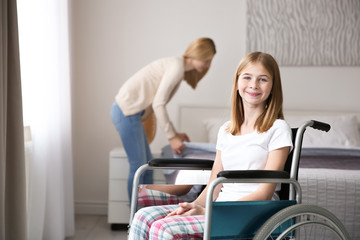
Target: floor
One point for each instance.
(95, 227)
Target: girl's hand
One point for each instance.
(187, 209)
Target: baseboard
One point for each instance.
(91, 208)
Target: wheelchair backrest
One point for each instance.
(284, 192)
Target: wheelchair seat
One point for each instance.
(256, 212)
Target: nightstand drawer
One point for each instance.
(118, 168)
(118, 204)
(118, 190)
(118, 212)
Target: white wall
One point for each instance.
(111, 39)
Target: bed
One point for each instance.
(329, 165)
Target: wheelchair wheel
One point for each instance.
(311, 222)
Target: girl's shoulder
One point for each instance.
(224, 126)
(281, 124)
(278, 124)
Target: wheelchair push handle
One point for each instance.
(320, 126)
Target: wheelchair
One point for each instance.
(287, 218)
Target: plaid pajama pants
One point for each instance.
(148, 197)
(150, 223)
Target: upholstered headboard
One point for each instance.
(202, 122)
(192, 120)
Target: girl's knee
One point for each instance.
(142, 214)
(146, 217)
(152, 213)
(160, 230)
(140, 224)
(177, 228)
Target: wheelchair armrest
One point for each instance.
(181, 162)
(166, 163)
(254, 174)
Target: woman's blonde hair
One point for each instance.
(273, 109)
(202, 49)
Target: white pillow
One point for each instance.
(193, 177)
(344, 132)
(212, 126)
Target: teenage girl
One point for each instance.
(256, 137)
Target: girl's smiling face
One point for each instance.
(255, 84)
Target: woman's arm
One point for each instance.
(169, 84)
(276, 161)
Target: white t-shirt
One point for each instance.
(249, 152)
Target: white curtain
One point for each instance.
(44, 57)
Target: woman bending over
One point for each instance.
(145, 95)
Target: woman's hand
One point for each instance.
(183, 137)
(187, 209)
(177, 144)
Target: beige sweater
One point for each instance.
(151, 88)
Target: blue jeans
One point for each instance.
(135, 143)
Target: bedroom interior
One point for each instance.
(111, 39)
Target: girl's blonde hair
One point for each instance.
(273, 109)
(202, 49)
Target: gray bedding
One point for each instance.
(347, 159)
(329, 158)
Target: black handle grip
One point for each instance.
(321, 126)
(205, 164)
(266, 174)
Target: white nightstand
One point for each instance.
(118, 204)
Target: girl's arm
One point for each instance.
(198, 206)
(217, 167)
(171, 189)
(276, 161)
